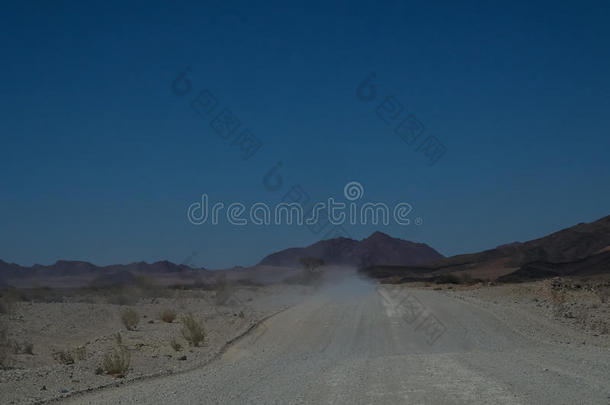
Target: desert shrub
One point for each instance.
(63, 357)
(175, 345)
(117, 363)
(168, 315)
(192, 330)
(80, 353)
(130, 318)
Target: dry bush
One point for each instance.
(63, 357)
(192, 330)
(168, 315)
(81, 353)
(117, 363)
(175, 345)
(130, 318)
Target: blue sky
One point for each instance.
(100, 159)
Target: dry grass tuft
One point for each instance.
(192, 330)
(81, 353)
(63, 357)
(117, 363)
(130, 318)
(168, 315)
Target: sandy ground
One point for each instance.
(350, 341)
(357, 343)
(85, 327)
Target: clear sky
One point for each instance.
(100, 158)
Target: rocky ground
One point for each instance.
(560, 310)
(54, 349)
(54, 342)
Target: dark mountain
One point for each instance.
(570, 245)
(79, 273)
(377, 249)
(70, 268)
(581, 249)
(591, 265)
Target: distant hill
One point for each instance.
(570, 244)
(377, 249)
(581, 249)
(565, 246)
(591, 265)
(79, 273)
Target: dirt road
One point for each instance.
(359, 344)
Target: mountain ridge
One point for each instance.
(377, 249)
